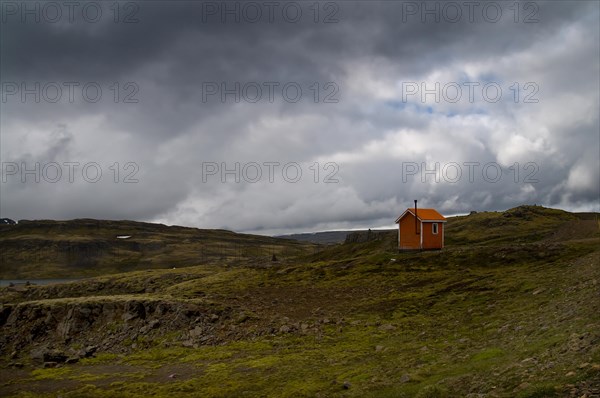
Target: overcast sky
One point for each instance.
(280, 117)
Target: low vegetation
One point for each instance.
(509, 309)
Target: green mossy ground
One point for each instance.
(510, 313)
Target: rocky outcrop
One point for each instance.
(56, 330)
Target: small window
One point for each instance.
(434, 228)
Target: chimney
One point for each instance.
(416, 222)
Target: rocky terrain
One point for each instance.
(512, 312)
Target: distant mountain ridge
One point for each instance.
(37, 249)
(325, 237)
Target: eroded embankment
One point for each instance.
(64, 330)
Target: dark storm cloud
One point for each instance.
(174, 129)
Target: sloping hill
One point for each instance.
(519, 225)
(85, 247)
(514, 313)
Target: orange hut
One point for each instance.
(420, 229)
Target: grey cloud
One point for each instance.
(369, 132)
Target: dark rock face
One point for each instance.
(55, 356)
(48, 331)
(4, 314)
